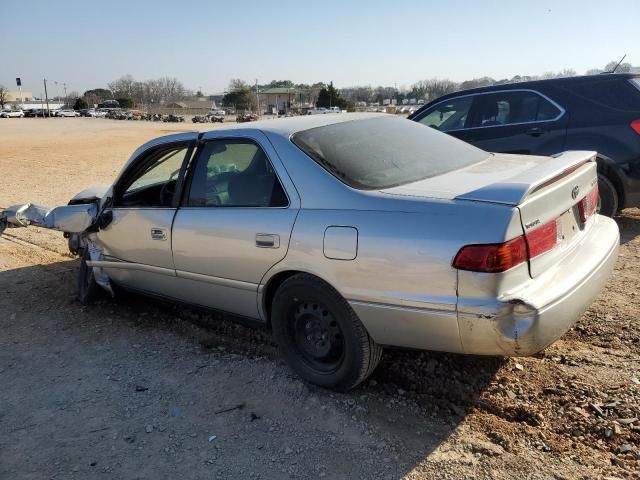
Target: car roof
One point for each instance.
(531, 84)
(283, 127)
(288, 126)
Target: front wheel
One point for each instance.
(87, 287)
(608, 196)
(320, 336)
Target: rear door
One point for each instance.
(516, 121)
(234, 223)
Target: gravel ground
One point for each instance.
(134, 388)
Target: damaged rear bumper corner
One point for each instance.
(535, 317)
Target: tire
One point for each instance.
(320, 336)
(608, 196)
(88, 289)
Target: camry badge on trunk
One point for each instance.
(575, 192)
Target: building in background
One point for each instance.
(279, 99)
(14, 96)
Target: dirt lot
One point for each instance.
(133, 388)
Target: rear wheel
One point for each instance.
(320, 336)
(87, 287)
(608, 196)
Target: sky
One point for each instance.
(204, 44)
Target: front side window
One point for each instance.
(235, 173)
(154, 184)
(513, 107)
(448, 115)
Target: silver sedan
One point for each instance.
(345, 233)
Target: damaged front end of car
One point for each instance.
(78, 221)
(68, 218)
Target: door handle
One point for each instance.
(158, 234)
(535, 131)
(267, 240)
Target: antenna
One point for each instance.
(616, 67)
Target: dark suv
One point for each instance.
(543, 117)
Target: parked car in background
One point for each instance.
(34, 112)
(544, 117)
(171, 118)
(306, 225)
(11, 114)
(200, 119)
(67, 113)
(246, 117)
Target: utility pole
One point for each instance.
(46, 96)
(66, 100)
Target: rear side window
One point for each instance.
(235, 173)
(617, 93)
(380, 153)
(448, 115)
(513, 107)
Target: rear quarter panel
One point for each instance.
(404, 258)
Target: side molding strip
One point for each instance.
(132, 266)
(223, 282)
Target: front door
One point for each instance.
(137, 237)
(234, 224)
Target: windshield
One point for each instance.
(380, 153)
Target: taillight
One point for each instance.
(499, 257)
(636, 126)
(589, 204)
(491, 257)
(542, 239)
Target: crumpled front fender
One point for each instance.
(67, 218)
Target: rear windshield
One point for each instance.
(385, 152)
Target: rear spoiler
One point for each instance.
(515, 190)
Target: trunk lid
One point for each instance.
(543, 189)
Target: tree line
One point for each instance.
(432, 88)
(130, 92)
(243, 95)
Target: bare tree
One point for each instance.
(436, 87)
(624, 67)
(237, 84)
(156, 91)
(3, 96)
(123, 87)
(171, 89)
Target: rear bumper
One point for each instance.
(521, 323)
(532, 318)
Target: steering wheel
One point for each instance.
(168, 190)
